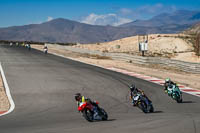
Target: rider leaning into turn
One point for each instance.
(167, 83)
(81, 99)
(45, 46)
(134, 91)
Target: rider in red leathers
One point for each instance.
(81, 99)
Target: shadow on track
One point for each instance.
(105, 120)
(188, 102)
(111, 119)
(157, 112)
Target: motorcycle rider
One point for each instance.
(81, 99)
(11, 44)
(134, 91)
(29, 47)
(167, 83)
(45, 49)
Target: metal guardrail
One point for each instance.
(181, 65)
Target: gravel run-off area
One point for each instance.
(4, 103)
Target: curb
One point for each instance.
(2, 112)
(183, 88)
(12, 104)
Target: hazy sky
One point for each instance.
(101, 12)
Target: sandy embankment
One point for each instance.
(188, 79)
(173, 46)
(4, 103)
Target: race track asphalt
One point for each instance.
(42, 87)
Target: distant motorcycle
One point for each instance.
(174, 92)
(11, 44)
(92, 113)
(142, 103)
(45, 50)
(29, 47)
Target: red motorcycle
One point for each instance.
(92, 112)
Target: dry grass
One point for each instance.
(93, 56)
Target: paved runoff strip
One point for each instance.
(183, 88)
(12, 105)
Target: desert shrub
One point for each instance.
(105, 51)
(117, 46)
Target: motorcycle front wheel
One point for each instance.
(142, 106)
(104, 114)
(151, 108)
(179, 100)
(88, 115)
(178, 97)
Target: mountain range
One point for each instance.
(180, 17)
(68, 31)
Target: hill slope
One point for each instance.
(194, 29)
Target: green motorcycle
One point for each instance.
(174, 92)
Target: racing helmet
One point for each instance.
(132, 87)
(77, 96)
(167, 79)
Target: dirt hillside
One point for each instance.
(194, 29)
(173, 46)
